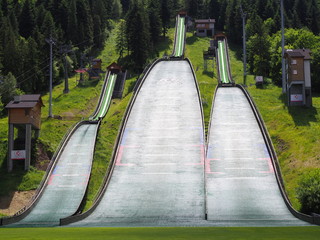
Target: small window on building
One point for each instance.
(201, 31)
(293, 61)
(295, 72)
(27, 112)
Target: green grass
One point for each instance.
(107, 135)
(295, 134)
(207, 79)
(292, 233)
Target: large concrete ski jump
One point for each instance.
(241, 185)
(158, 179)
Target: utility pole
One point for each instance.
(284, 87)
(83, 55)
(51, 41)
(64, 50)
(244, 15)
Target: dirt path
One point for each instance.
(12, 203)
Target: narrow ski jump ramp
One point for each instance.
(67, 184)
(241, 185)
(66, 181)
(158, 176)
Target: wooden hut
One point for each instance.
(24, 110)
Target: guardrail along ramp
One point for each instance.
(242, 189)
(158, 177)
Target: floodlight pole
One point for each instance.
(284, 87)
(243, 15)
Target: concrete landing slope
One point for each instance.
(242, 189)
(67, 183)
(158, 176)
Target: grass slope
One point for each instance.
(292, 233)
(207, 79)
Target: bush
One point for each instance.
(309, 192)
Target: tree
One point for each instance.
(8, 88)
(138, 35)
(121, 42)
(27, 19)
(125, 5)
(48, 28)
(85, 25)
(193, 8)
(165, 15)
(71, 34)
(116, 11)
(233, 24)
(98, 32)
(258, 48)
(214, 8)
(295, 39)
(10, 51)
(155, 20)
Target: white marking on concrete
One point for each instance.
(158, 173)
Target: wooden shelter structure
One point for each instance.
(298, 77)
(204, 27)
(24, 114)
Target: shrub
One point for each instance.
(309, 192)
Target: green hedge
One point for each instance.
(309, 192)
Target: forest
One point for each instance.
(79, 29)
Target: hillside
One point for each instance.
(289, 128)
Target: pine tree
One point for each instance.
(37, 83)
(85, 25)
(138, 35)
(72, 34)
(98, 32)
(233, 23)
(116, 9)
(27, 19)
(8, 88)
(155, 20)
(125, 5)
(48, 28)
(193, 8)
(165, 15)
(258, 48)
(121, 41)
(11, 53)
(214, 9)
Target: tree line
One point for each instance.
(25, 25)
(82, 26)
(263, 21)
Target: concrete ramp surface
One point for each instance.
(241, 186)
(67, 184)
(158, 177)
